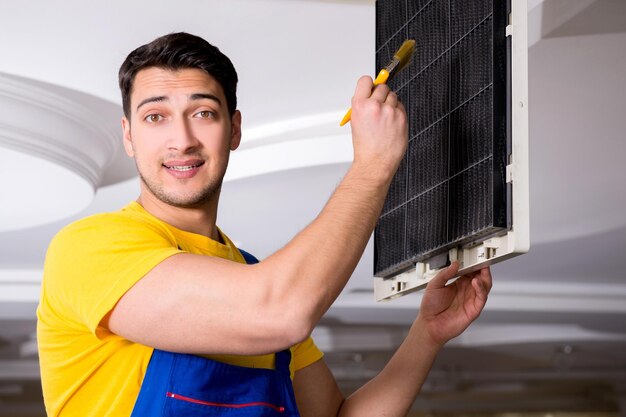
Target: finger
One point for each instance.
(364, 87)
(440, 280)
(381, 92)
(401, 107)
(392, 99)
(486, 278)
(481, 290)
(478, 299)
(482, 284)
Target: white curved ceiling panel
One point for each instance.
(45, 191)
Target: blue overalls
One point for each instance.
(183, 385)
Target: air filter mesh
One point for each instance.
(450, 189)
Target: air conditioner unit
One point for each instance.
(461, 192)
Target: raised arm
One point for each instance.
(198, 304)
(446, 311)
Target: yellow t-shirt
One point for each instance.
(90, 264)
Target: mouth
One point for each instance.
(183, 166)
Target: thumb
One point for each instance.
(363, 87)
(443, 276)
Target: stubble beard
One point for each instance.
(191, 200)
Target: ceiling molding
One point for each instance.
(57, 99)
(517, 296)
(285, 156)
(481, 335)
(50, 149)
(299, 128)
(301, 142)
(51, 123)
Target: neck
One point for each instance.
(200, 220)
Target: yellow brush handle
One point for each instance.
(381, 78)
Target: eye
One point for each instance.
(153, 118)
(205, 114)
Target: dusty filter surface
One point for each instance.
(450, 189)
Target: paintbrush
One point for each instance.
(400, 60)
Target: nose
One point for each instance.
(182, 137)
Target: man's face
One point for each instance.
(180, 134)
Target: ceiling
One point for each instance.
(553, 334)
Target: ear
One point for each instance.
(235, 134)
(128, 142)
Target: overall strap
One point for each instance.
(283, 359)
(250, 259)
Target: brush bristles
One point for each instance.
(405, 53)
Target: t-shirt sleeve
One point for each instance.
(92, 263)
(305, 354)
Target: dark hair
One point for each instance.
(179, 51)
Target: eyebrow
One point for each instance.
(208, 96)
(195, 96)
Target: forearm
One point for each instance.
(314, 267)
(393, 391)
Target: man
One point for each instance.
(153, 311)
